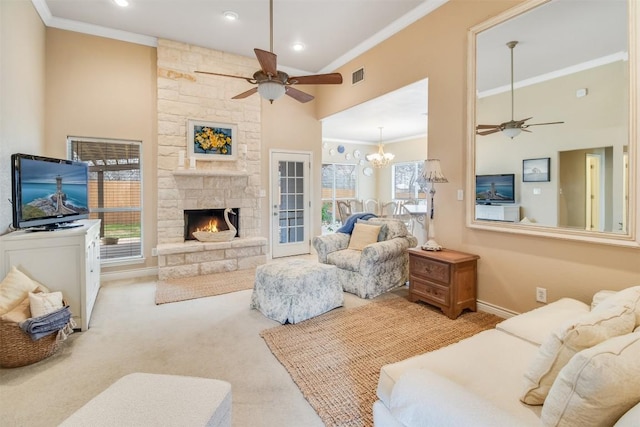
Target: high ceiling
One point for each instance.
(336, 31)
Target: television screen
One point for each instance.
(48, 192)
(499, 188)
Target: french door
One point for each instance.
(290, 203)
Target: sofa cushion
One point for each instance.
(536, 325)
(346, 259)
(489, 364)
(449, 403)
(14, 288)
(597, 386)
(602, 323)
(363, 235)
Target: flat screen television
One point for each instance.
(495, 189)
(48, 193)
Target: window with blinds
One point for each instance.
(115, 193)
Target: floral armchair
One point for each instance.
(378, 267)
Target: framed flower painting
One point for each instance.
(212, 141)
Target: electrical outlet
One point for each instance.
(541, 295)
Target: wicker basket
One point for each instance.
(18, 349)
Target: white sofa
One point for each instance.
(479, 381)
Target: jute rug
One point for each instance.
(186, 288)
(335, 359)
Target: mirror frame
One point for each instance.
(631, 238)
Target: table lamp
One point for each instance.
(432, 173)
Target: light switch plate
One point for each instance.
(460, 195)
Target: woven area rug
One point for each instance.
(335, 359)
(186, 288)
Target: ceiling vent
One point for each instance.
(357, 76)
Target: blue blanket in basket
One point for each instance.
(39, 327)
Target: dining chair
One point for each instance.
(372, 206)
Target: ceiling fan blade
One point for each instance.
(540, 124)
(246, 93)
(317, 79)
(223, 75)
(488, 132)
(268, 61)
(487, 126)
(298, 95)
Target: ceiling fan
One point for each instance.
(272, 84)
(512, 128)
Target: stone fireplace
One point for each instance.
(211, 184)
(211, 220)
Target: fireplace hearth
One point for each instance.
(210, 220)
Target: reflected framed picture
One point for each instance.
(536, 170)
(211, 140)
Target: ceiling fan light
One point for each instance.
(271, 90)
(512, 132)
(230, 15)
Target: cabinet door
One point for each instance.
(55, 267)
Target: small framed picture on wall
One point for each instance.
(211, 141)
(536, 170)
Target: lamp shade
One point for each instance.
(271, 90)
(432, 172)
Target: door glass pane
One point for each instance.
(291, 213)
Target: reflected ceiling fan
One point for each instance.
(512, 128)
(272, 84)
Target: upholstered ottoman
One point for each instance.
(296, 290)
(157, 400)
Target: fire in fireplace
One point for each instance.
(211, 220)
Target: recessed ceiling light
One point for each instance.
(230, 16)
(121, 3)
(297, 46)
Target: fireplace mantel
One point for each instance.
(209, 172)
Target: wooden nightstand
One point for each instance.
(446, 279)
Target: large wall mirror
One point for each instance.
(552, 131)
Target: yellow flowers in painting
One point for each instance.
(212, 140)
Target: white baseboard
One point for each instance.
(128, 274)
(494, 309)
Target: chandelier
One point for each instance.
(380, 159)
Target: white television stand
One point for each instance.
(66, 260)
(506, 213)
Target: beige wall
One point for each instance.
(511, 266)
(291, 125)
(104, 88)
(22, 85)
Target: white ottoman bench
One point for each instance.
(296, 290)
(157, 400)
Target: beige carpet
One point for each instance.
(187, 288)
(335, 359)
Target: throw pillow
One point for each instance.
(44, 303)
(14, 288)
(19, 313)
(598, 385)
(574, 336)
(363, 235)
(625, 296)
(382, 235)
